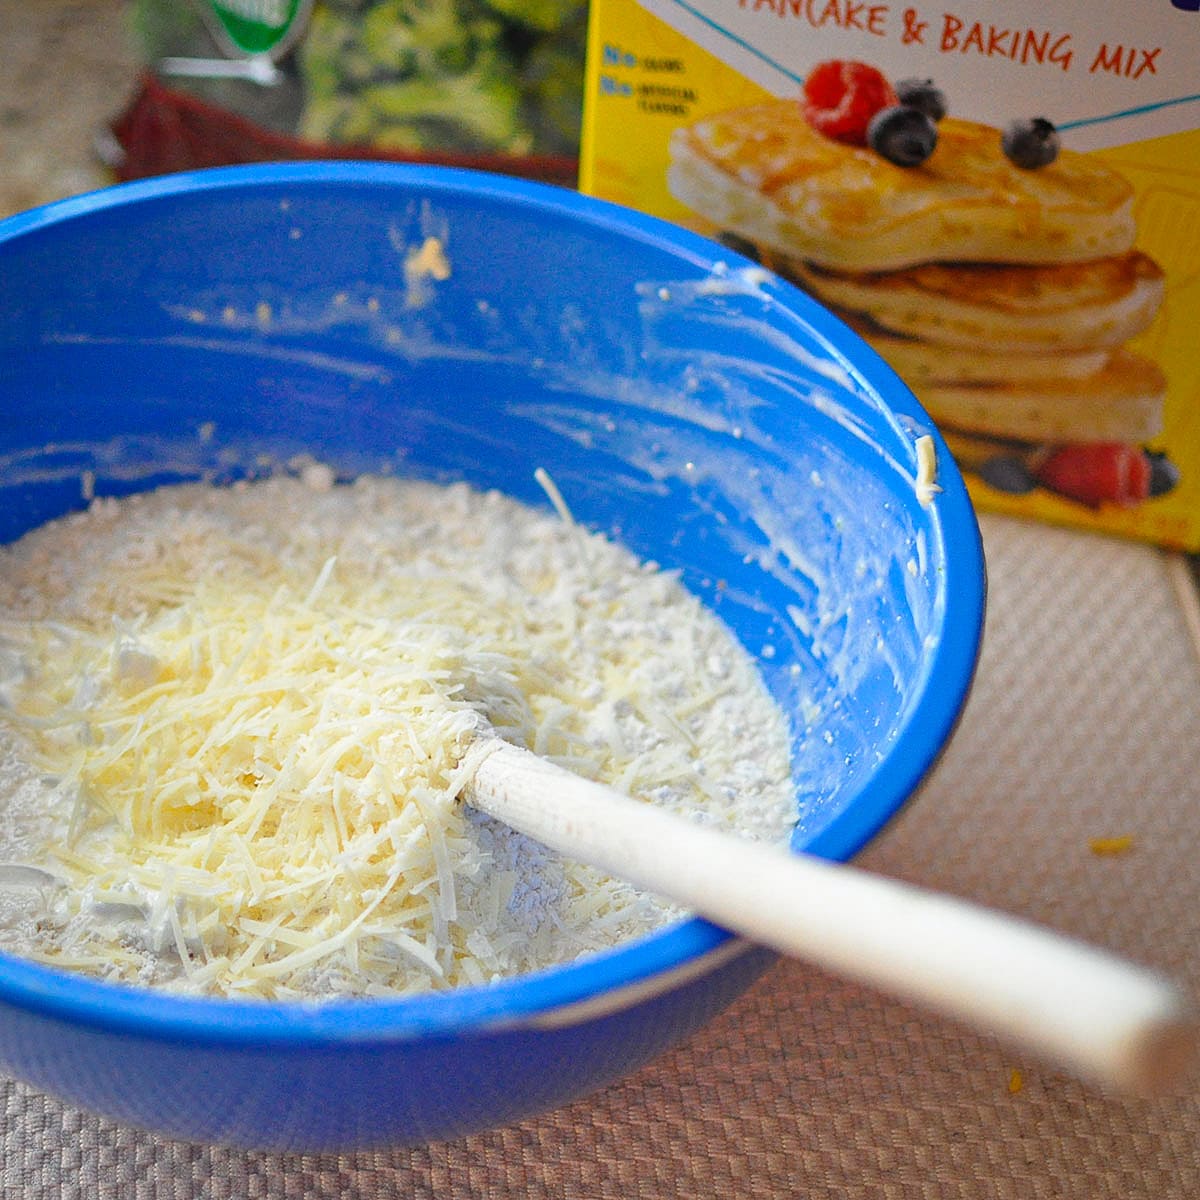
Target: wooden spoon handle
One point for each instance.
(1107, 1019)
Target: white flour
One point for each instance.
(567, 645)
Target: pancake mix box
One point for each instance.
(1003, 199)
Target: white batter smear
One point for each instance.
(232, 724)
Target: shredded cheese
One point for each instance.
(1119, 844)
(257, 730)
(926, 485)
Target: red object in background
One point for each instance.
(162, 130)
(840, 98)
(1100, 473)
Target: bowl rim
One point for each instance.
(658, 961)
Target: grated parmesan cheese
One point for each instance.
(926, 484)
(1119, 844)
(231, 744)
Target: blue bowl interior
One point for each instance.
(701, 411)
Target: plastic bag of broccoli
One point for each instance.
(492, 83)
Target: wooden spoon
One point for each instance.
(1117, 1024)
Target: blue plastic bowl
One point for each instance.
(700, 410)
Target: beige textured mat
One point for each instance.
(1084, 724)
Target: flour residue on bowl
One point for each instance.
(826, 560)
(232, 742)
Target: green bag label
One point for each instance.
(258, 26)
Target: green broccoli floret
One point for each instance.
(453, 75)
(543, 15)
(552, 87)
(472, 112)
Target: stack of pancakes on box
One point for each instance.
(1003, 296)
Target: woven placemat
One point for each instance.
(1083, 725)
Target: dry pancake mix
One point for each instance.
(1002, 199)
